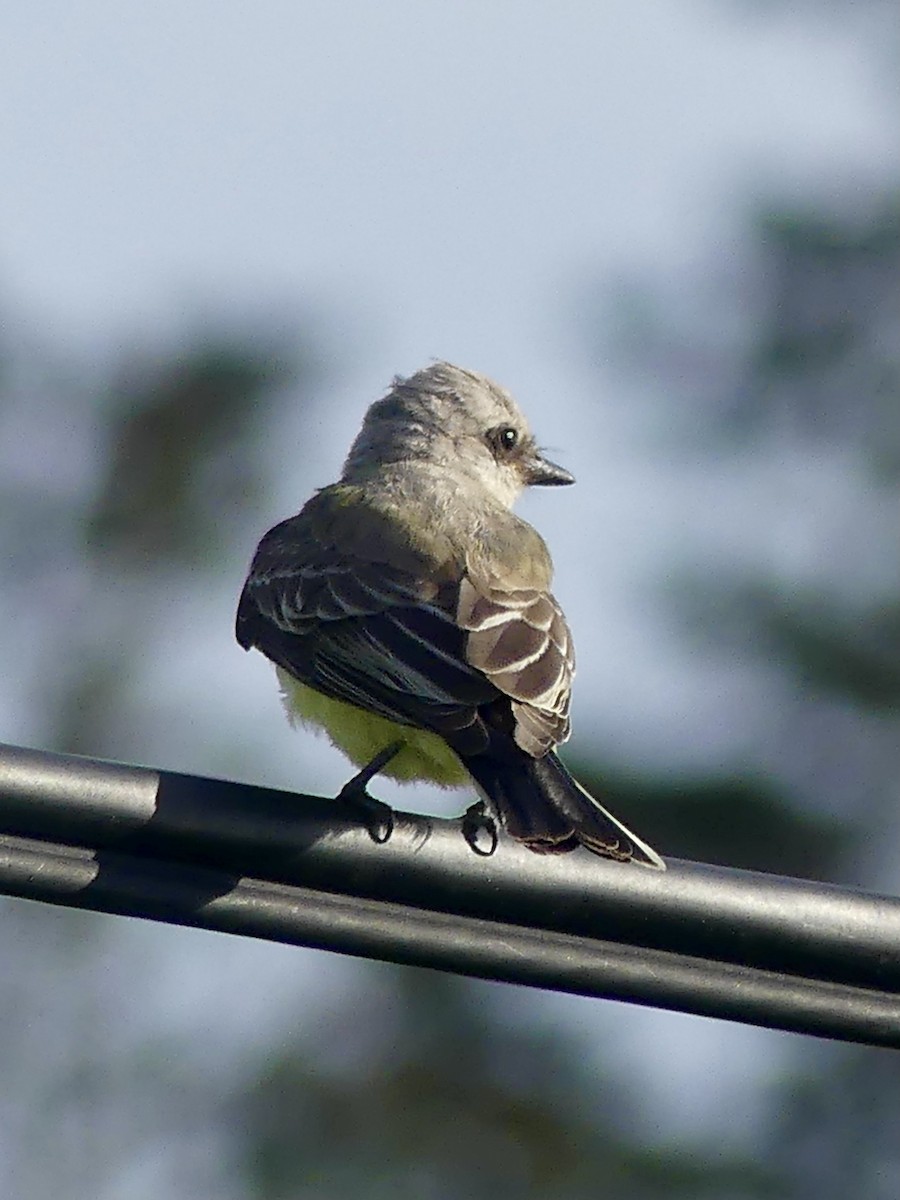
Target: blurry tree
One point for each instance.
(445, 1098)
(180, 462)
(838, 340)
(816, 389)
(808, 387)
(118, 495)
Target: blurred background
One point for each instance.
(673, 231)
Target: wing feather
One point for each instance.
(520, 639)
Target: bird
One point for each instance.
(409, 614)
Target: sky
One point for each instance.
(441, 180)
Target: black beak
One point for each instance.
(540, 472)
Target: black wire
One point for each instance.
(782, 953)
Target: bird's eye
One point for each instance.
(505, 438)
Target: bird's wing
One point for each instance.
(363, 632)
(519, 639)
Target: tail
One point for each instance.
(539, 803)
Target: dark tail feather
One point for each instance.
(539, 803)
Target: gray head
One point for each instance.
(447, 417)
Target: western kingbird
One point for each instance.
(408, 612)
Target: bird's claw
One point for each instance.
(476, 821)
(377, 816)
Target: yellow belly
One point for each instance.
(361, 735)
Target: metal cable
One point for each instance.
(778, 952)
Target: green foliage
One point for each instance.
(817, 385)
(824, 366)
(856, 657)
(447, 1098)
(177, 456)
(92, 568)
(734, 820)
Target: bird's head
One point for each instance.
(459, 423)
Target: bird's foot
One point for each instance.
(479, 829)
(377, 816)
